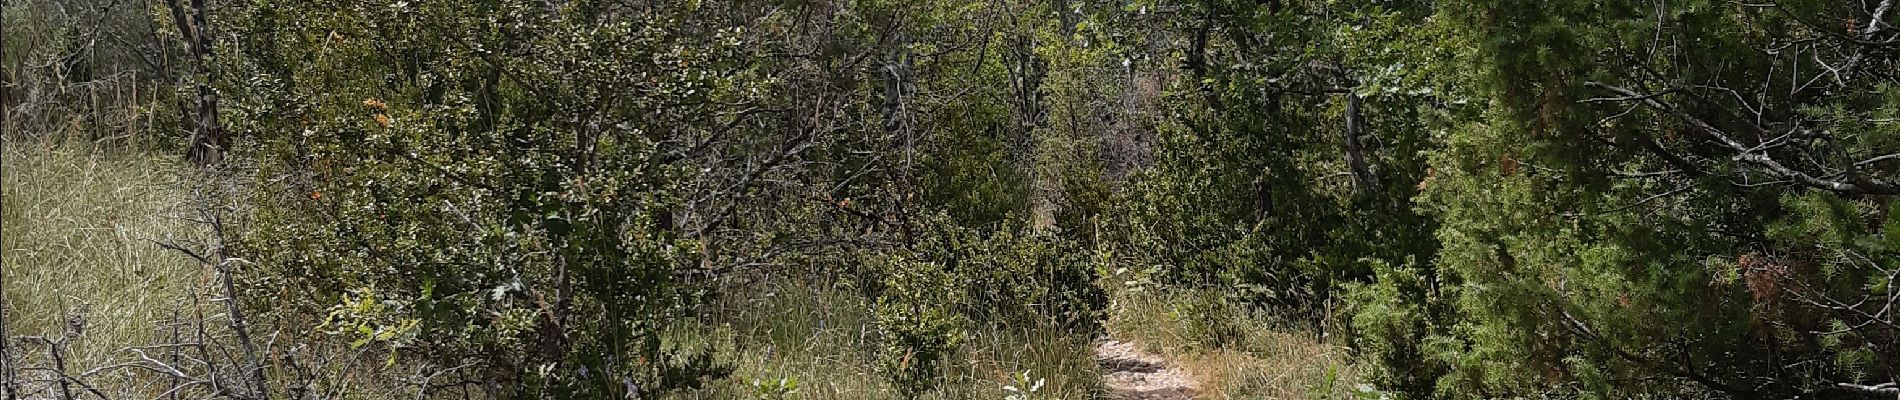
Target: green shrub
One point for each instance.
(1391, 318)
(479, 168)
(955, 277)
(1032, 278)
(918, 322)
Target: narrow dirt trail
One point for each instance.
(1134, 374)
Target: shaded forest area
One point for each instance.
(949, 199)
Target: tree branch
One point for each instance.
(1750, 154)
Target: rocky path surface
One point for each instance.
(1134, 374)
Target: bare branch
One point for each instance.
(1888, 389)
(1754, 154)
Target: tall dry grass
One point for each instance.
(77, 226)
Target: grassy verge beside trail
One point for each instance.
(1232, 353)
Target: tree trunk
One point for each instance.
(1362, 180)
(208, 140)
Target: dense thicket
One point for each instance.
(544, 189)
(1481, 198)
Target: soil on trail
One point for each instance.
(1134, 374)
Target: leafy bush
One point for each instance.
(918, 322)
(1032, 278)
(955, 276)
(1391, 319)
(477, 168)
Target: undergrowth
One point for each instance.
(821, 338)
(1232, 352)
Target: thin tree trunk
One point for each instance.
(208, 140)
(1026, 74)
(1363, 183)
(897, 75)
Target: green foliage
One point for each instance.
(1559, 257)
(775, 389)
(928, 296)
(1485, 198)
(1249, 188)
(1391, 318)
(918, 322)
(1021, 387)
(366, 317)
(1029, 278)
(511, 207)
(1545, 214)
